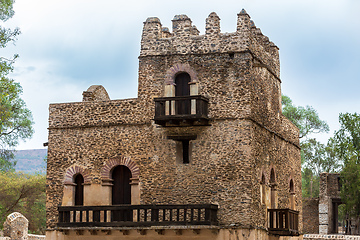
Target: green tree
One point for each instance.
(15, 118)
(347, 142)
(20, 192)
(318, 158)
(305, 118)
(315, 157)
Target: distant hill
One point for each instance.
(31, 161)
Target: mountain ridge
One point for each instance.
(30, 161)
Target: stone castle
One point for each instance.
(203, 152)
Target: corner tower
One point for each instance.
(229, 119)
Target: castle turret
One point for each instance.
(212, 24)
(243, 21)
(152, 30)
(181, 25)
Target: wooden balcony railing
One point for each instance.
(284, 222)
(176, 110)
(137, 215)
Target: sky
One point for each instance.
(67, 46)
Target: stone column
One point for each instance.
(194, 90)
(323, 205)
(169, 92)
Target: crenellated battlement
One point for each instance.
(185, 39)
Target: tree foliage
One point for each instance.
(23, 193)
(15, 118)
(315, 156)
(347, 141)
(318, 158)
(305, 118)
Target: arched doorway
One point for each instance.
(79, 190)
(121, 192)
(182, 88)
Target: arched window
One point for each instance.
(182, 88)
(272, 176)
(272, 188)
(121, 189)
(79, 189)
(263, 190)
(292, 194)
(291, 188)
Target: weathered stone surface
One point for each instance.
(247, 135)
(16, 226)
(311, 215)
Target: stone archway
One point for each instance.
(107, 176)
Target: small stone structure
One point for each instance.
(321, 214)
(16, 228)
(329, 200)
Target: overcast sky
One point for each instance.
(68, 45)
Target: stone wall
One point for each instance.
(311, 215)
(247, 135)
(329, 199)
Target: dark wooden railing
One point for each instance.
(181, 108)
(284, 222)
(137, 215)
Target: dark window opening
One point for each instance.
(291, 190)
(185, 151)
(272, 176)
(231, 55)
(339, 184)
(79, 190)
(183, 148)
(263, 190)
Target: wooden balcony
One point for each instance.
(182, 110)
(283, 222)
(137, 215)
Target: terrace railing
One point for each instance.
(284, 222)
(175, 110)
(137, 215)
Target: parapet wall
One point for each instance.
(185, 39)
(96, 113)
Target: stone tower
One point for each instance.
(203, 151)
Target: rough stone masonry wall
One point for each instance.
(328, 190)
(311, 215)
(217, 172)
(227, 157)
(270, 151)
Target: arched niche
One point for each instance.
(75, 179)
(170, 79)
(108, 181)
